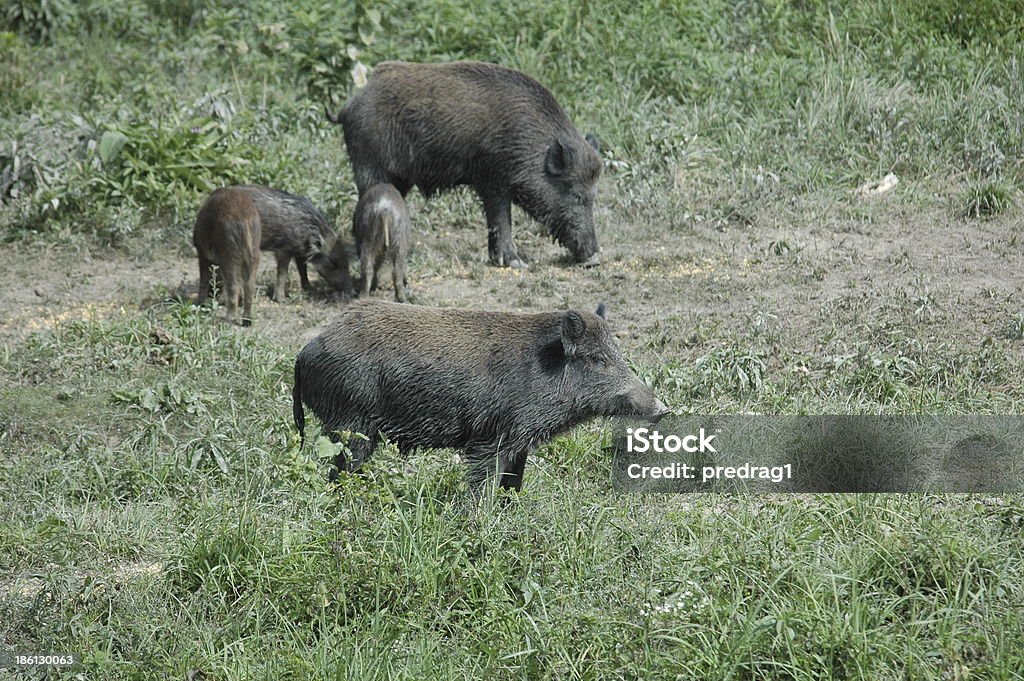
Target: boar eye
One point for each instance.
(580, 200)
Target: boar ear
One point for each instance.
(593, 141)
(314, 245)
(558, 158)
(573, 328)
(602, 311)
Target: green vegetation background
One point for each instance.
(160, 520)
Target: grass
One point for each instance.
(816, 97)
(987, 199)
(161, 519)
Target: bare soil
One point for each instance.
(798, 276)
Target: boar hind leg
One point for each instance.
(249, 293)
(232, 292)
(359, 448)
(368, 271)
(398, 278)
(281, 287)
(510, 471)
(362, 449)
(498, 207)
(205, 280)
(378, 266)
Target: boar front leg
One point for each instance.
(498, 208)
(487, 462)
(303, 274)
(281, 287)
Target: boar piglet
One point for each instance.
(494, 384)
(437, 126)
(295, 229)
(381, 228)
(227, 234)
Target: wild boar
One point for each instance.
(494, 384)
(381, 228)
(295, 229)
(437, 126)
(227, 234)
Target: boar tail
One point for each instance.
(387, 230)
(333, 118)
(300, 416)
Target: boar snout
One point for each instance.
(640, 400)
(334, 272)
(581, 240)
(660, 411)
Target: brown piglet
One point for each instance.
(381, 228)
(227, 234)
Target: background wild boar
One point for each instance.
(436, 126)
(492, 383)
(295, 229)
(381, 228)
(227, 234)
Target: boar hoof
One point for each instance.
(514, 262)
(508, 259)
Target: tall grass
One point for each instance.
(162, 520)
(825, 96)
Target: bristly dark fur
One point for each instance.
(492, 383)
(437, 126)
(227, 234)
(381, 228)
(297, 413)
(295, 229)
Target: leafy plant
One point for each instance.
(16, 93)
(39, 19)
(152, 161)
(167, 397)
(183, 14)
(325, 40)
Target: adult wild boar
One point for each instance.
(227, 234)
(436, 126)
(295, 229)
(495, 384)
(381, 228)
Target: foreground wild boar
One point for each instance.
(295, 229)
(227, 234)
(436, 126)
(495, 384)
(381, 228)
